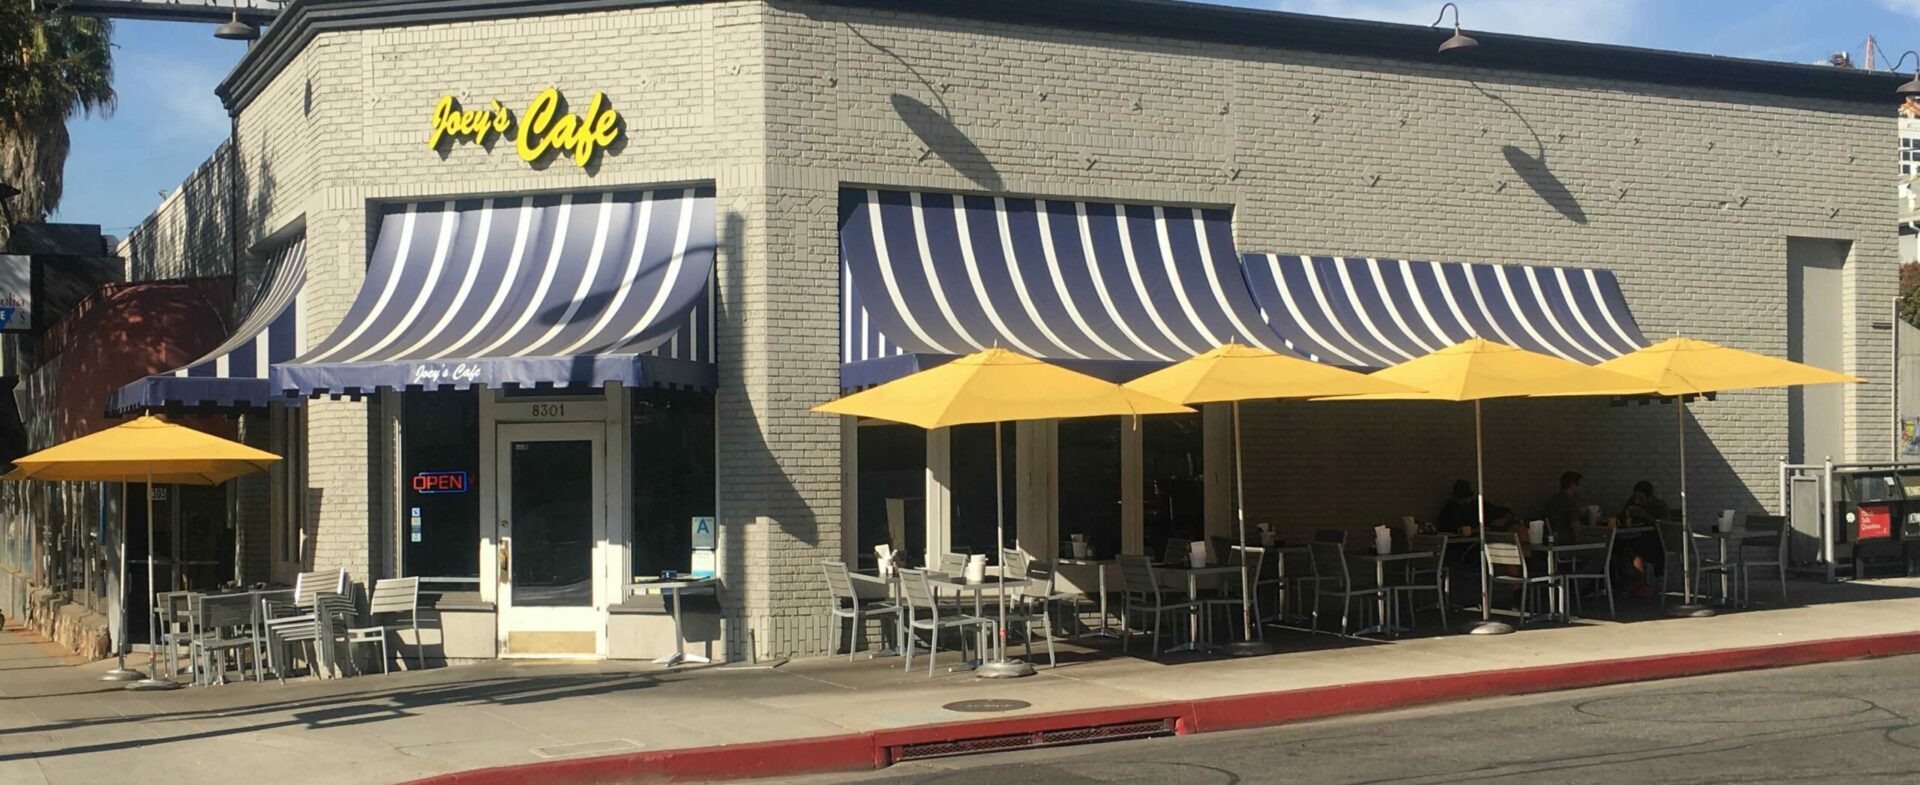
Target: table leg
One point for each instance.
(1380, 582)
(1105, 631)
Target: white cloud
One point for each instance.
(1908, 7)
(1598, 21)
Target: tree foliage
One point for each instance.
(1910, 293)
(53, 66)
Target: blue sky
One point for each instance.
(169, 121)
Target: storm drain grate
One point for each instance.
(1044, 738)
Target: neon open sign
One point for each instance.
(440, 482)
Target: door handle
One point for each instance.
(505, 551)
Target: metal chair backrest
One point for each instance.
(1040, 576)
(1432, 543)
(1336, 536)
(916, 591)
(839, 585)
(310, 584)
(1298, 564)
(1506, 554)
(953, 563)
(1672, 535)
(1178, 551)
(394, 595)
(1137, 579)
(1330, 561)
(1013, 562)
(1586, 534)
(220, 611)
(1223, 548)
(173, 606)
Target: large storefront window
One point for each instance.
(1173, 456)
(1089, 471)
(440, 464)
(893, 483)
(673, 476)
(973, 508)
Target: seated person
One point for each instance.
(1561, 511)
(1642, 509)
(1459, 511)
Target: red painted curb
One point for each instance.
(864, 751)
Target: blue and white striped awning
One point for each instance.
(571, 290)
(234, 376)
(1109, 288)
(1371, 313)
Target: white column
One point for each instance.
(849, 490)
(1217, 430)
(1133, 494)
(939, 494)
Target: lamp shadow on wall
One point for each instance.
(1532, 167)
(945, 140)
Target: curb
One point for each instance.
(877, 749)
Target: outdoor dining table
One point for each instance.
(1561, 597)
(678, 589)
(254, 596)
(1279, 554)
(1099, 567)
(1385, 626)
(960, 585)
(1729, 543)
(1194, 643)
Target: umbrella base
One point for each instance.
(123, 674)
(1004, 669)
(1485, 627)
(1249, 648)
(153, 685)
(1690, 610)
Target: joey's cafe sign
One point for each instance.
(546, 128)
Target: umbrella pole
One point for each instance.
(1688, 607)
(121, 673)
(153, 681)
(1486, 625)
(1001, 667)
(1246, 646)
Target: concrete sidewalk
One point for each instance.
(59, 725)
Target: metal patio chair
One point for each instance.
(1253, 558)
(1592, 568)
(1330, 561)
(1508, 554)
(1142, 593)
(393, 597)
(850, 610)
(1425, 576)
(1768, 552)
(923, 612)
(222, 625)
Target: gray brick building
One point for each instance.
(1739, 202)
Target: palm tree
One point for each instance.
(64, 67)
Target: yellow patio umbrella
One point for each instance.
(1682, 367)
(1477, 369)
(147, 449)
(996, 386)
(1233, 373)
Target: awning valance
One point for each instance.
(234, 375)
(1371, 313)
(928, 276)
(580, 289)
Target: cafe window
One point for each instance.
(893, 483)
(1088, 468)
(673, 476)
(1173, 458)
(440, 461)
(973, 509)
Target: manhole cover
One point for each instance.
(986, 705)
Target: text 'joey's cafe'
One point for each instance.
(542, 322)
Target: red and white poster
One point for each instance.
(1875, 522)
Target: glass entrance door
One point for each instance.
(552, 539)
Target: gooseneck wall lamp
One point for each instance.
(1911, 87)
(1459, 39)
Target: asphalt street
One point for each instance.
(1856, 723)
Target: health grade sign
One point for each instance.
(541, 130)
